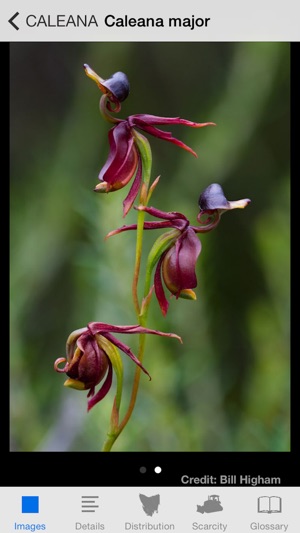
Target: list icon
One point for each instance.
(30, 504)
(89, 504)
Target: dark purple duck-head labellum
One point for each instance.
(118, 86)
(213, 198)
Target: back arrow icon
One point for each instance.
(11, 20)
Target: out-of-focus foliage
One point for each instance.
(227, 387)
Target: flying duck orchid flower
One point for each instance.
(92, 353)
(175, 253)
(124, 161)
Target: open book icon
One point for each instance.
(269, 504)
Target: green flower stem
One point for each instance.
(136, 381)
(142, 318)
(107, 446)
(138, 256)
(146, 161)
(146, 157)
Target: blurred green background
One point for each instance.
(227, 387)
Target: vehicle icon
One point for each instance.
(212, 505)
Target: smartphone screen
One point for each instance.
(150, 354)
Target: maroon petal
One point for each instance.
(147, 225)
(179, 262)
(147, 122)
(92, 365)
(134, 189)
(72, 340)
(115, 133)
(153, 119)
(159, 290)
(187, 252)
(106, 329)
(171, 215)
(120, 230)
(102, 392)
(122, 159)
(166, 136)
(90, 368)
(102, 328)
(84, 341)
(176, 220)
(158, 225)
(126, 350)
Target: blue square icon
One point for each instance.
(30, 504)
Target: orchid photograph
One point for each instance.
(149, 247)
